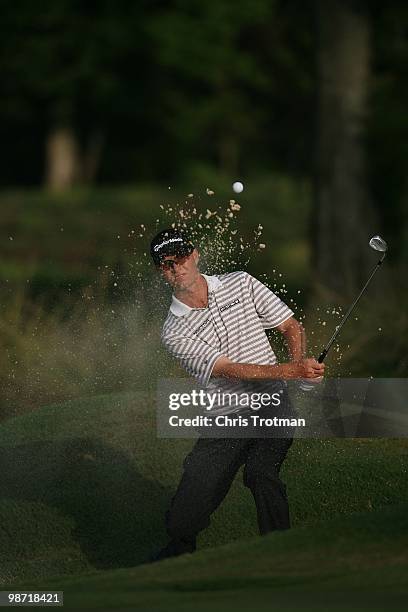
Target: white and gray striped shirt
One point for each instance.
(240, 309)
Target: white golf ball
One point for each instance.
(238, 187)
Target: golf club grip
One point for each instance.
(322, 355)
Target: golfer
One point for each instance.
(216, 329)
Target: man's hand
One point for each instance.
(309, 368)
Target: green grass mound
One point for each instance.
(85, 484)
(358, 562)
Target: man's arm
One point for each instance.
(299, 367)
(308, 368)
(295, 337)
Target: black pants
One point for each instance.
(209, 470)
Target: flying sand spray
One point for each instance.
(220, 251)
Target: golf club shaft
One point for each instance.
(346, 316)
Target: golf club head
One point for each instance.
(378, 244)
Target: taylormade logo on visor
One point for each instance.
(162, 244)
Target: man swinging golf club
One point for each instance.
(216, 329)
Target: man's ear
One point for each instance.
(196, 256)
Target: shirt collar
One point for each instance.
(179, 309)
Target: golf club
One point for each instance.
(378, 244)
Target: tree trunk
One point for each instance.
(62, 159)
(344, 218)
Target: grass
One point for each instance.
(85, 485)
(358, 562)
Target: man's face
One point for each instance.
(180, 271)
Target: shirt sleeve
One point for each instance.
(271, 310)
(196, 357)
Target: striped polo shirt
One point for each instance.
(240, 308)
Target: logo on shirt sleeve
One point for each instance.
(201, 327)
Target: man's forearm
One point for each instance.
(296, 341)
(253, 371)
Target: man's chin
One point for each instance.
(180, 285)
(183, 284)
